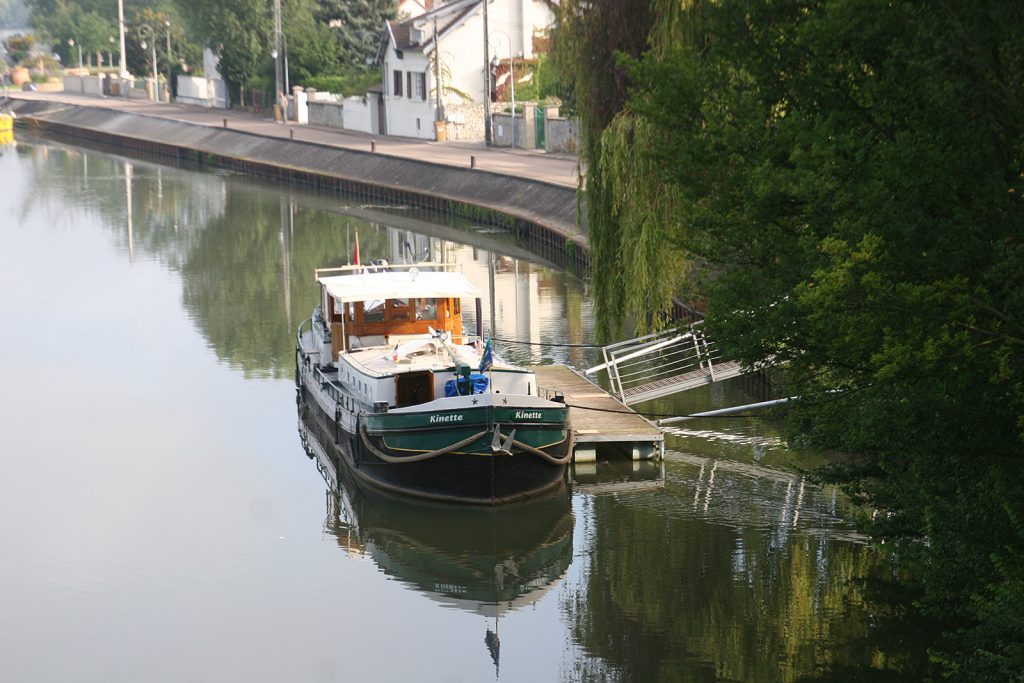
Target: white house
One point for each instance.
(455, 31)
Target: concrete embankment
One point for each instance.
(542, 214)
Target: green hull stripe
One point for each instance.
(469, 417)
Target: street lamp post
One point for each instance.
(110, 51)
(146, 31)
(120, 33)
(170, 90)
(276, 52)
(71, 43)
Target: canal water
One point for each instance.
(166, 516)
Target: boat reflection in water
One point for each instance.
(484, 560)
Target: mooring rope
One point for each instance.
(386, 457)
(546, 456)
(421, 456)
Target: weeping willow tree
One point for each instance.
(633, 216)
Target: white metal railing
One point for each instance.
(658, 361)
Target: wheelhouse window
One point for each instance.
(426, 309)
(400, 310)
(373, 312)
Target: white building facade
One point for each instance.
(408, 50)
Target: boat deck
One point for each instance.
(597, 417)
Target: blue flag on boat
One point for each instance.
(487, 360)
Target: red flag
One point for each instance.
(355, 256)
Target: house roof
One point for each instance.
(448, 16)
(400, 33)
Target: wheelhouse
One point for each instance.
(372, 306)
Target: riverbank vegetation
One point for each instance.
(324, 41)
(841, 182)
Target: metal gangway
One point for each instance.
(664, 363)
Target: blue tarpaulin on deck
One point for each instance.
(477, 380)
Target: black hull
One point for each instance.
(458, 478)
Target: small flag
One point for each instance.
(487, 359)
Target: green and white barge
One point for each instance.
(415, 404)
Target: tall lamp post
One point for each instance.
(71, 43)
(276, 52)
(110, 51)
(146, 31)
(170, 61)
(120, 33)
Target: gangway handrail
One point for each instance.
(664, 363)
(636, 354)
(665, 366)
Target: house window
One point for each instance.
(408, 84)
(397, 92)
(419, 86)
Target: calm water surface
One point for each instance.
(165, 516)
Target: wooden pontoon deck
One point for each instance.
(599, 418)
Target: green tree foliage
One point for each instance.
(92, 24)
(238, 31)
(536, 80)
(19, 47)
(587, 45)
(152, 25)
(357, 24)
(850, 174)
(313, 47)
(88, 22)
(94, 30)
(241, 33)
(356, 82)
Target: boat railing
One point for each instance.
(304, 325)
(327, 384)
(382, 267)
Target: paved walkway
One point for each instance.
(549, 168)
